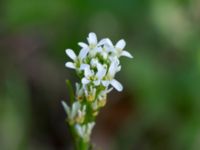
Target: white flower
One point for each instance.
(92, 41)
(119, 49)
(75, 112)
(84, 131)
(94, 106)
(94, 62)
(90, 93)
(90, 75)
(93, 46)
(79, 92)
(109, 79)
(77, 59)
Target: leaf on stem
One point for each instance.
(71, 91)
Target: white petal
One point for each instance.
(121, 44)
(118, 86)
(114, 59)
(83, 45)
(78, 86)
(83, 53)
(101, 71)
(94, 105)
(94, 62)
(109, 90)
(79, 130)
(101, 42)
(109, 42)
(106, 83)
(105, 41)
(83, 66)
(66, 107)
(126, 54)
(92, 38)
(75, 107)
(112, 69)
(89, 128)
(88, 72)
(98, 49)
(70, 65)
(71, 54)
(85, 81)
(96, 82)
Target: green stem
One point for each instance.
(81, 145)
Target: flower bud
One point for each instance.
(91, 94)
(102, 100)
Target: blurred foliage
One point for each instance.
(162, 80)
(15, 114)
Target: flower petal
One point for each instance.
(109, 90)
(75, 107)
(94, 62)
(106, 83)
(66, 108)
(83, 45)
(92, 38)
(79, 130)
(83, 53)
(112, 69)
(101, 71)
(105, 41)
(126, 54)
(71, 54)
(83, 66)
(85, 81)
(90, 127)
(70, 65)
(117, 85)
(96, 82)
(88, 72)
(120, 44)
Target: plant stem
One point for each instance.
(81, 145)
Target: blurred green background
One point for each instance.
(160, 106)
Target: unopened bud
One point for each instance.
(95, 113)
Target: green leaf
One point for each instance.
(71, 91)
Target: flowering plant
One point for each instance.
(96, 65)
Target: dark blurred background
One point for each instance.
(160, 106)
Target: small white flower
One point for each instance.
(92, 41)
(105, 42)
(90, 93)
(119, 49)
(94, 106)
(109, 79)
(79, 92)
(84, 131)
(94, 62)
(77, 59)
(75, 112)
(90, 75)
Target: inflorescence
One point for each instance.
(96, 65)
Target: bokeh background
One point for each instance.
(159, 108)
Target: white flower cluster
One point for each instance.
(96, 64)
(98, 61)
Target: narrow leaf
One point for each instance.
(71, 91)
